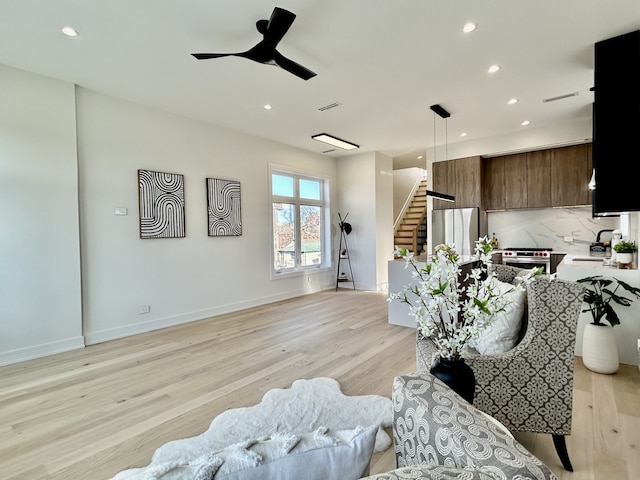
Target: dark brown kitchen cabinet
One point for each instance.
(516, 181)
(555, 177)
(539, 179)
(468, 182)
(461, 178)
(570, 174)
(493, 184)
(444, 181)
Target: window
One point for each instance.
(299, 205)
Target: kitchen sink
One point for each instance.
(589, 259)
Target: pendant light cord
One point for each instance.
(446, 139)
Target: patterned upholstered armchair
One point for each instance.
(438, 435)
(530, 388)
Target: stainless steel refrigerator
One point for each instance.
(456, 226)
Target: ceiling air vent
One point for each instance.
(329, 106)
(560, 97)
(329, 151)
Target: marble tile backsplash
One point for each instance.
(547, 228)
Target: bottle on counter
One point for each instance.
(494, 242)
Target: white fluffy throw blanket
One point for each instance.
(307, 406)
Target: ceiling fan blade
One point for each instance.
(293, 67)
(278, 25)
(272, 30)
(204, 56)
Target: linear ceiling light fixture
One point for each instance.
(442, 196)
(335, 141)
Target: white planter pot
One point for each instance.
(624, 257)
(599, 348)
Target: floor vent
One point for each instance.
(329, 106)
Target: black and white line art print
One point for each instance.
(223, 207)
(161, 197)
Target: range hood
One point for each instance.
(616, 125)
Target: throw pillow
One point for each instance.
(502, 334)
(344, 454)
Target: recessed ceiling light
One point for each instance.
(464, 134)
(494, 68)
(335, 141)
(525, 123)
(469, 27)
(268, 107)
(512, 101)
(70, 31)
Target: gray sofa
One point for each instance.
(438, 435)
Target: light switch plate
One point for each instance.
(121, 211)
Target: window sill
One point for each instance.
(300, 272)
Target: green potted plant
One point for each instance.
(624, 251)
(599, 347)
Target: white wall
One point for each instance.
(356, 191)
(40, 303)
(524, 139)
(384, 218)
(181, 279)
(58, 220)
(366, 194)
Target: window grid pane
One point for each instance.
(282, 185)
(310, 227)
(310, 189)
(284, 236)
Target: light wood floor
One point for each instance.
(90, 413)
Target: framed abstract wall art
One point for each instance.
(161, 201)
(223, 207)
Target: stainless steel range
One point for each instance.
(527, 257)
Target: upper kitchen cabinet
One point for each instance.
(516, 181)
(570, 174)
(468, 185)
(461, 178)
(444, 181)
(539, 179)
(494, 184)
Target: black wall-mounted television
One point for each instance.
(616, 125)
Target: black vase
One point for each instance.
(457, 375)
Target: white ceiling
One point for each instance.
(385, 62)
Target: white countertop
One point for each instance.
(585, 261)
(574, 267)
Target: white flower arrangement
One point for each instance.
(451, 312)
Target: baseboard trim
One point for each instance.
(43, 350)
(100, 336)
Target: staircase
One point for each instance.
(406, 234)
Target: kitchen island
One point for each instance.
(399, 277)
(575, 267)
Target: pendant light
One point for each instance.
(443, 114)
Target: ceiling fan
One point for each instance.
(265, 51)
